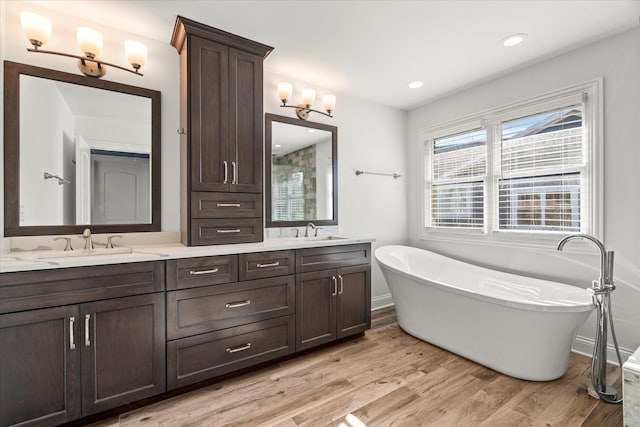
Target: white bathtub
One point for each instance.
(517, 325)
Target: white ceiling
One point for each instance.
(373, 49)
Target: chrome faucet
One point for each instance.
(313, 226)
(606, 259)
(88, 242)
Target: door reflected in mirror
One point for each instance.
(96, 143)
(301, 184)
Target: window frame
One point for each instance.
(590, 95)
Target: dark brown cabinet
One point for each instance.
(332, 303)
(81, 340)
(39, 367)
(222, 147)
(123, 351)
(228, 312)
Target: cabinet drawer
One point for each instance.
(266, 264)
(226, 231)
(196, 311)
(225, 205)
(48, 288)
(201, 357)
(203, 271)
(314, 259)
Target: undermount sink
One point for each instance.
(81, 253)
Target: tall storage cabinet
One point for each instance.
(221, 139)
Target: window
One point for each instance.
(459, 169)
(522, 173)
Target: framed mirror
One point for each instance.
(301, 169)
(79, 153)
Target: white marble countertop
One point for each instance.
(43, 260)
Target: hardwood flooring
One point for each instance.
(386, 378)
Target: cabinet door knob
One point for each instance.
(72, 340)
(234, 173)
(87, 330)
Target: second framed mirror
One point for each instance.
(301, 171)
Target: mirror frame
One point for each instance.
(12, 227)
(268, 127)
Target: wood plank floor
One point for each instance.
(386, 378)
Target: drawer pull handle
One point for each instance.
(72, 340)
(273, 264)
(195, 273)
(87, 330)
(228, 205)
(234, 230)
(247, 346)
(237, 304)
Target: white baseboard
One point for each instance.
(380, 302)
(585, 346)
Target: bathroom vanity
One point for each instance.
(82, 335)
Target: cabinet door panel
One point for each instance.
(123, 354)
(39, 372)
(354, 300)
(245, 109)
(315, 309)
(209, 117)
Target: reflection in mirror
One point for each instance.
(79, 152)
(302, 171)
(100, 150)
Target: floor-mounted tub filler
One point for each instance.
(516, 325)
(601, 289)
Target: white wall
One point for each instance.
(617, 59)
(43, 152)
(370, 136)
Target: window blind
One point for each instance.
(541, 164)
(459, 169)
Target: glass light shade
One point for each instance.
(136, 53)
(329, 102)
(90, 41)
(308, 96)
(36, 27)
(284, 91)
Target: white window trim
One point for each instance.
(592, 117)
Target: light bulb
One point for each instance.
(90, 42)
(136, 53)
(36, 28)
(284, 91)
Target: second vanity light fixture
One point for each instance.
(38, 30)
(308, 97)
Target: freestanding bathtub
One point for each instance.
(516, 325)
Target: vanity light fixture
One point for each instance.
(308, 97)
(38, 30)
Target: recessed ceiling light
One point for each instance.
(416, 84)
(514, 39)
(277, 146)
(311, 130)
